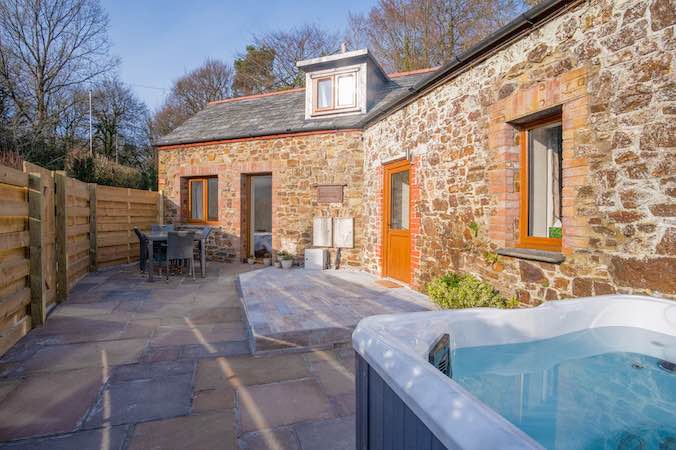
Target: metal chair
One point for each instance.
(180, 246)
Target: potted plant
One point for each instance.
(286, 259)
(267, 259)
(251, 260)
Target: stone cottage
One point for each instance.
(541, 160)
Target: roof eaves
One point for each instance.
(262, 134)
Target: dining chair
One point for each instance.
(180, 247)
(159, 251)
(143, 248)
(206, 231)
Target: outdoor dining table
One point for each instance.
(162, 237)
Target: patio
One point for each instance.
(126, 364)
(301, 309)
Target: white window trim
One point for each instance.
(334, 75)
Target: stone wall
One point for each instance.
(297, 164)
(609, 66)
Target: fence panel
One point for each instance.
(15, 295)
(118, 211)
(77, 230)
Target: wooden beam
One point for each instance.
(92, 227)
(61, 225)
(35, 205)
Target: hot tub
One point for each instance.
(585, 373)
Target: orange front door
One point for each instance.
(396, 219)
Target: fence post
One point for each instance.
(92, 228)
(35, 199)
(128, 225)
(61, 225)
(160, 207)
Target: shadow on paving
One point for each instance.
(127, 364)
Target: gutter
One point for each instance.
(503, 36)
(289, 132)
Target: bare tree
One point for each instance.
(191, 93)
(120, 123)
(211, 81)
(48, 48)
(415, 34)
(296, 44)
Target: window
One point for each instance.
(324, 94)
(336, 92)
(203, 195)
(541, 185)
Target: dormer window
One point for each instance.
(342, 84)
(335, 92)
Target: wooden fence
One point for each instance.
(55, 229)
(15, 265)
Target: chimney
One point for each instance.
(343, 47)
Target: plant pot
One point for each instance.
(278, 264)
(267, 261)
(287, 263)
(251, 261)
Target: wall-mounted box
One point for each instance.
(322, 232)
(343, 232)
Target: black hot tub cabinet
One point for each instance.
(383, 419)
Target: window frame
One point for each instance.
(315, 82)
(205, 199)
(334, 76)
(525, 240)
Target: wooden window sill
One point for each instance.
(533, 255)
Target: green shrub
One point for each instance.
(283, 255)
(453, 291)
(105, 172)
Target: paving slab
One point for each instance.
(222, 372)
(216, 349)
(109, 438)
(278, 439)
(276, 404)
(139, 401)
(337, 434)
(150, 371)
(334, 377)
(300, 308)
(49, 403)
(75, 356)
(190, 334)
(200, 432)
(213, 400)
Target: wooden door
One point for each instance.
(396, 222)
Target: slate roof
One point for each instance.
(276, 114)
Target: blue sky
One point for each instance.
(158, 41)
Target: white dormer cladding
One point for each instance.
(341, 84)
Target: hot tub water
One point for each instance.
(580, 390)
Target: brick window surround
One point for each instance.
(567, 92)
(230, 180)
